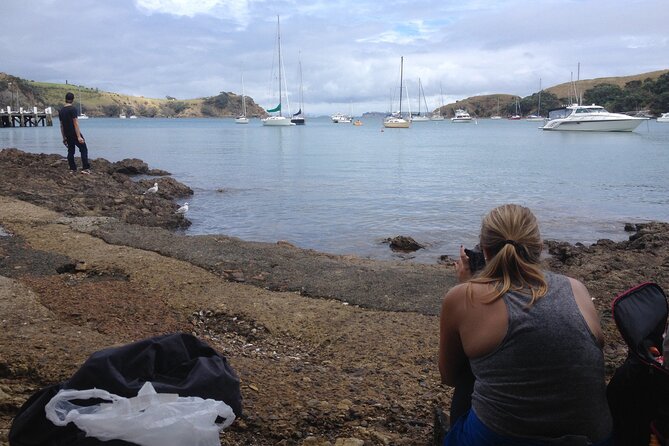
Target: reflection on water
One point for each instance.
(343, 189)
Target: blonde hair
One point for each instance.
(510, 236)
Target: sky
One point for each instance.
(348, 50)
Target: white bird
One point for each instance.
(152, 190)
(183, 209)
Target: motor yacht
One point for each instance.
(590, 118)
(663, 118)
(461, 116)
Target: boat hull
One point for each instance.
(420, 119)
(276, 121)
(461, 120)
(603, 125)
(396, 123)
(241, 120)
(298, 121)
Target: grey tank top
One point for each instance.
(546, 378)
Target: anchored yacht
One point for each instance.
(590, 118)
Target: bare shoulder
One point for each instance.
(587, 307)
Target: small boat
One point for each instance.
(396, 121)
(461, 116)
(242, 119)
(421, 116)
(133, 117)
(663, 118)
(590, 118)
(438, 116)
(516, 116)
(497, 116)
(357, 122)
(277, 120)
(340, 118)
(122, 116)
(82, 116)
(538, 116)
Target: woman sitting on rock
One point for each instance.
(533, 341)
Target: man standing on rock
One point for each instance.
(69, 128)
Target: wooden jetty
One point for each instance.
(25, 118)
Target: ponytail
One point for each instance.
(510, 236)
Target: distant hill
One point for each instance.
(97, 103)
(486, 105)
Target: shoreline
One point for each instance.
(327, 347)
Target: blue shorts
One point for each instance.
(468, 430)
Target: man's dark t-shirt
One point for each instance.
(66, 116)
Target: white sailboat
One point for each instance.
(538, 116)
(396, 121)
(242, 119)
(497, 116)
(278, 120)
(81, 115)
(421, 116)
(438, 116)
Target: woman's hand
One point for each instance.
(462, 270)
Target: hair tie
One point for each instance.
(511, 242)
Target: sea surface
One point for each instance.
(344, 189)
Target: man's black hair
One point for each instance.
(69, 97)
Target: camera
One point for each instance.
(476, 259)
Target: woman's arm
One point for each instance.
(451, 354)
(588, 310)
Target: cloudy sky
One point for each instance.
(349, 49)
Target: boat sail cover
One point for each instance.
(275, 109)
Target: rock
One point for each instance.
(404, 244)
(349, 442)
(131, 166)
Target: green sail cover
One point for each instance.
(276, 109)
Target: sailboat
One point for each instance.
(421, 117)
(537, 117)
(242, 119)
(278, 120)
(438, 116)
(516, 116)
(298, 118)
(81, 115)
(397, 121)
(497, 116)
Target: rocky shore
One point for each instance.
(331, 350)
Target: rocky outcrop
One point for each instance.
(109, 191)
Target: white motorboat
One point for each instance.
(461, 116)
(663, 118)
(590, 118)
(534, 118)
(82, 116)
(396, 121)
(340, 118)
(278, 120)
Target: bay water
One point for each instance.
(343, 189)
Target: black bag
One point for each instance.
(638, 393)
(175, 363)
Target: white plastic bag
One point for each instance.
(149, 419)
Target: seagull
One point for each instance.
(152, 190)
(183, 209)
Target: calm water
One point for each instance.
(343, 189)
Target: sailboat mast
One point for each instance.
(278, 33)
(539, 106)
(243, 98)
(401, 80)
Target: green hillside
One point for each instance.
(97, 103)
(626, 94)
